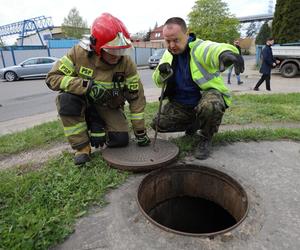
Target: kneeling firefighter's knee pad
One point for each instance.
(117, 139)
(70, 104)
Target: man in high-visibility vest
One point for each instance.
(196, 91)
(95, 78)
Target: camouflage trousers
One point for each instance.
(206, 116)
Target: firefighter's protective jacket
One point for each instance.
(74, 70)
(204, 66)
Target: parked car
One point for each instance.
(155, 58)
(32, 67)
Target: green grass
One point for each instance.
(38, 208)
(244, 110)
(38, 136)
(40, 204)
(263, 109)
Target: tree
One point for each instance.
(211, 20)
(74, 26)
(2, 44)
(251, 30)
(147, 36)
(286, 22)
(263, 34)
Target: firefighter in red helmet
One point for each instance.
(95, 79)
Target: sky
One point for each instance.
(138, 15)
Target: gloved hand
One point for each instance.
(97, 138)
(96, 93)
(142, 138)
(228, 58)
(165, 71)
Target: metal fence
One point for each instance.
(15, 54)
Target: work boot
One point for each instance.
(203, 149)
(82, 155)
(256, 89)
(240, 82)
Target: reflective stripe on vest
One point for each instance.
(67, 66)
(137, 116)
(206, 75)
(76, 129)
(65, 82)
(109, 85)
(102, 134)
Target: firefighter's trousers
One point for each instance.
(72, 111)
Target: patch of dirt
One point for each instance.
(33, 159)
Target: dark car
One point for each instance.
(32, 67)
(155, 58)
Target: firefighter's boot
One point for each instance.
(82, 155)
(203, 149)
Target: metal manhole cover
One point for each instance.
(138, 159)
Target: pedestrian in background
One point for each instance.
(238, 77)
(268, 62)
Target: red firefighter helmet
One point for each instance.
(110, 34)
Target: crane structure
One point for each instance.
(28, 26)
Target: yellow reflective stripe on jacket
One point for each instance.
(98, 134)
(166, 58)
(76, 129)
(206, 76)
(108, 85)
(67, 66)
(133, 82)
(65, 82)
(86, 72)
(137, 116)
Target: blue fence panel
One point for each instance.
(21, 55)
(257, 54)
(62, 43)
(14, 55)
(8, 59)
(58, 52)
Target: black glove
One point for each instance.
(96, 93)
(228, 58)
(165, 71)
(97, 136)
(142, 138)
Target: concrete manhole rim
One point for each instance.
(181, 167)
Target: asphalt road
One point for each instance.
(30, 97)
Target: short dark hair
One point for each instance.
(270, 38)
(177, 20)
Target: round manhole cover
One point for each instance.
(138, 159)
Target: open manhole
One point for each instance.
(192, 200)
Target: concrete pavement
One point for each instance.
(268, 171)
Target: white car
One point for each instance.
(153, 60)
(32, 67)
